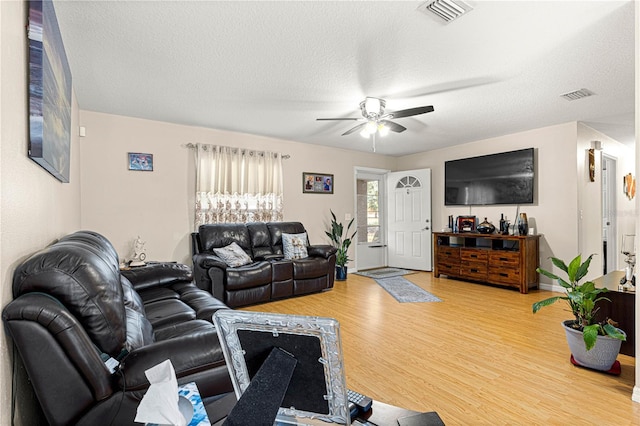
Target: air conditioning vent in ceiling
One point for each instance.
(446, 10)
(577, 94)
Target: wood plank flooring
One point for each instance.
(479, 357)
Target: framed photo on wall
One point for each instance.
(49, 92)
(140, 162)
(317, 183)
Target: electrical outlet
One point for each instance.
(347, 216)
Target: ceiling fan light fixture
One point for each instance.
(371, 127)
(383, 130)
(372, 107)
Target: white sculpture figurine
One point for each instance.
(139, 254)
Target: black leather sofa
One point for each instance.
(269, 276)
(73, 308)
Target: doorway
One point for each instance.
(409, 219)
(609, 224)
(371, 248)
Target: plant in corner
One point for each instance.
(593, 344)
(341, 240)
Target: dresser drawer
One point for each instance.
(473, 255)
(449, 269)
(473, 270)
(449, 253)
(506, 276)
(504, 259)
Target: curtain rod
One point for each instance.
(193, 146)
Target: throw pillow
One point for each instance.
(294, 246)
(233, 255)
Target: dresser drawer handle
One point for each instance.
(474, 255)
(504, 258)
(502, 274)
(474, 270)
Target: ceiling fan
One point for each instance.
(376, 121)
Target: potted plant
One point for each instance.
(593, 344)
(341, 240)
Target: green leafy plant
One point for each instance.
(582, 300)
(340, 239)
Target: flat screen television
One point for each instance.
(504, 178)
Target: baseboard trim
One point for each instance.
(552, 287)
(636, 394)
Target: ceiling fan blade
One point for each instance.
(354, 129)
(328, 119)
(394, 127)
(411, 111)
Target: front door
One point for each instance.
(409, 219)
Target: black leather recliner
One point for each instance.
(269, 276)
(73, 309)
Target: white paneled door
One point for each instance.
(409, 219)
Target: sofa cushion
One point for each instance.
(294, 246)
(248, 296)
(233, 255)
(86, 283)
(167, 312)
(222, 234)
(248, 276)
(260, 240)
(276, 229)
(139, 329)
(311, 267)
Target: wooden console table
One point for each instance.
(506, 260)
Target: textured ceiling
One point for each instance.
(271, 68)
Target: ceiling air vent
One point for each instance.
(447, 10)
(577, 94)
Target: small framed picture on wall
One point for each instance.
(140, 162)
(317, 183)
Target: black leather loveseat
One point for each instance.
(73, 308)
(268, 275)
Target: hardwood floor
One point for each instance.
(479, 357)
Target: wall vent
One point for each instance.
(577, 94)
(446, 10)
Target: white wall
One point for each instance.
(35, 208)
(158, 205)
(636, 389)
(590, 197)
(554, 213)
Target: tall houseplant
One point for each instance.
(597, 337)
(341, 240)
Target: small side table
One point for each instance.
(621, 309)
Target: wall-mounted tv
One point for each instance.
(504, 178)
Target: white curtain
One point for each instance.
(237, 185)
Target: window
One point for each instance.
(237, 185)
(369, 216)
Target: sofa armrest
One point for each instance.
(158, 274)
(202, 264)
(325, 251)
(189, 355)
(208, 260)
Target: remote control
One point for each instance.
(353, 411)
(362, 402)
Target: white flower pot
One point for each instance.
(600, 357)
